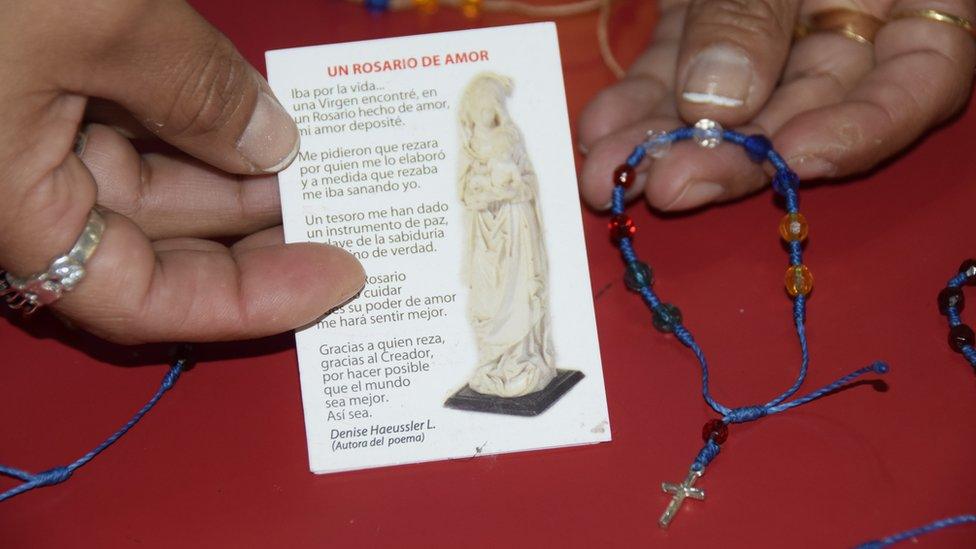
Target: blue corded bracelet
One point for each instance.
(915, 532)
(667, 318)
(57, 475)
(951, 302)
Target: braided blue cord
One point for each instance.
(799, 317)
(706, 455)
(968, 352)
(787, 187)
(921, 530)
(376, 5)
(877, 367)
(952, 313)
(58, 475)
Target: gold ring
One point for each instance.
(940, 16)
(856, 25)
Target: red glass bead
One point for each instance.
(624, 176)
(621, 226)
(716, 430)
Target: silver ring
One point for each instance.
(64, 274)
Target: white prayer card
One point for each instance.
(444, 163)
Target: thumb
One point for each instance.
(186, 83)
(732, 53)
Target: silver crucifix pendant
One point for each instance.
(679, 493)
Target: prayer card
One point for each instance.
(444, 163)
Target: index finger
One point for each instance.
(186, 289)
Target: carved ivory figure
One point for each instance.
(505, 258)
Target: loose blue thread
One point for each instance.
(914, 533)
(786, 183)
(57, 475)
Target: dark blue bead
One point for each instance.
(377, 5)
(757, 146)
(638, 276)
(961, 336)
(951, 297)
(185, 353)
(968, 268)
(786, 180)
(666, 317)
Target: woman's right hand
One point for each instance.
(164, 71)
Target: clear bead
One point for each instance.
(708, 133)
(656, 144)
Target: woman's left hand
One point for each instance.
(832, 105)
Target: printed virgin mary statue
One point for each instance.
(505, 264)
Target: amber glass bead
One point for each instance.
(471, 8)
(799, 280)
(425, 6)
(960, 336)
(624, 176)
(621, 226)
(794, 227)
(951, 297)
(968, 268)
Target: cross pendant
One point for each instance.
(680, 492)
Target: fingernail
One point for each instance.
(270, 141)
(696, 194)
(720, 75)
(811, 167)
(81, 141)
(353, 295)
(124, 132)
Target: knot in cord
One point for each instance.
(52, 476)
(746, 413)
(706, 455)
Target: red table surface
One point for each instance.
(221, 462)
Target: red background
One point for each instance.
(222, 460)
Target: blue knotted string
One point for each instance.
(908, 534)
(376, 5)
(786, 183)
(58, 475)
(952, 313)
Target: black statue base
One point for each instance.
(529, 405)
